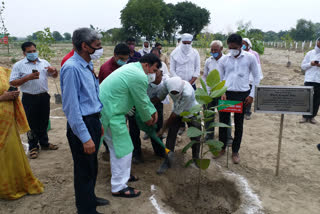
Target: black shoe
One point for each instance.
(318, 147)
(136, 160)
(101, 201)
(164, 166)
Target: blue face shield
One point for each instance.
(32, 56)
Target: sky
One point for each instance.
(23, 17)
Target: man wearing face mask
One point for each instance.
(145, 48)
(183, 97)
(124, 88)
(311, 64)
(120, 58)
(82, 106)
(247, 46)
(211, 64)
(185, 61)
(31, 74)
(235, 69)
(134, 56)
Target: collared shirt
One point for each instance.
(236, 71)
(184, 102)
(66, 57)
(135, 58)
(211, 64)
(23, 68)
(185, 66)
(312, 72)
(80, 94)
(107, 68)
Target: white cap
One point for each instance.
(186, 37)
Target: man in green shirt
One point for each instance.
(124, 88)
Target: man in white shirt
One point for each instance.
(31, 74)
(185, 61)
(145, 48)
(213, 63)
(236, 68)
(311, 65)
(183, 97)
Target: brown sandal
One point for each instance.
(34, 153)
(50, 147)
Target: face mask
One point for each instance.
(175, 96)
(244, 47)
(153, 85)
(132, 47)
(120, 62)
(215, 55)
(234, 52)
(32, 56)
(96, 54)
(186, 48)
(151, 77)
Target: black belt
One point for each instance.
(41, 94)
(95, 115)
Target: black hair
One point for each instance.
(157, 44)
(26, 45)
(130, 39)
(121, 49)
(155, 49)
(235, 38)
(150, 59)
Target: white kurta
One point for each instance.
(312, 72)
(211, 64)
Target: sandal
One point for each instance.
(34, 153)
(133, 178)
(50, 147)
(122, 193)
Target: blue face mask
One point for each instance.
(244, 47)
(120, 62)
(32, 56)
(215, 55)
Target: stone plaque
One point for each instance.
(284, 99)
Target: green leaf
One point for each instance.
(215, 143)
(208, 119)
(194, 132)
(196, 109)
(203, 163)
(208, 113)
(222, 125)
(202, 97)
(203, 85)
(188, 163)
(213, 78)
(218, 86)
(185, 113)
(188, 146)
(218, 93)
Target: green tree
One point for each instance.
(45, 40)
(143, 18)
(201, 115)
(255, 36)
(67, 36)
(57, 36)
(270, 36)
(305, 30)
(170, 25)
(191, 18)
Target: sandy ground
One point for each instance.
(250, 187)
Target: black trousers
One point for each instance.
(134, 132)
(214, 103)
(172, 136)
(85, 166)
(158, 150)
(248, 107)
(37, 108)
(316, 98)
(238, 121)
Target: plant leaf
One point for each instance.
(196, 109)
(213, 78)
(203, 85)
(218, 93)
(185, 113)
(222, 125)
(188, 163)
(208, 113)
(184, 119)
(203, 163)
(202, 97)
(194, 132)
(218, 86)
(188, 146)
(215, 143)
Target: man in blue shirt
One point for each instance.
(81, 105)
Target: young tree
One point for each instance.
(45, 40)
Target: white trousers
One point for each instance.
(120, 167)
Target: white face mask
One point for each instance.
(96, 54)
(151, 77)
(234, 52)
(186, 48)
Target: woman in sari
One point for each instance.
(16, 178)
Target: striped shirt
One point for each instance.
(23, 68)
